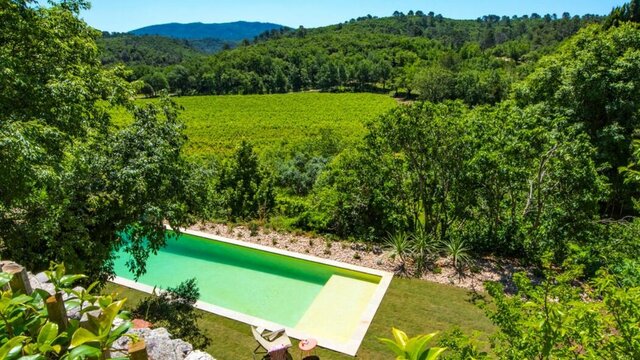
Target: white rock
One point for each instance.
(199, 355)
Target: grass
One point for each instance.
(216, 124)
(415, 306)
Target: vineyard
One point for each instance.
(216, 124)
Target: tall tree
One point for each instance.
(593, 79)
(71, 183)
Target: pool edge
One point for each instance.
(350, 348)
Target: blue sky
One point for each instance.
(125, 15)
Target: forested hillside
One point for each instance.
(149, 50)
(415, 54)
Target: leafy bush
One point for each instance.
(26, 332)
(173, 309)
(414, 348)
(561, 318)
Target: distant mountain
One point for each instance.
(234, 31)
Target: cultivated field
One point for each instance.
(216, 124)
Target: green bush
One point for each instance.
(173, 309)
(27, 333)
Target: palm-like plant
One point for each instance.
(414, 348)
(459, 252)
(399, 246)
(424, 246)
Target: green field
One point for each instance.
(216, 124)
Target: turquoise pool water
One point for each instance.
(265, 285)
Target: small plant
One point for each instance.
(311, 242)
(357, 256)
(437, 270)
(475, 269)
(414, 348)
(57, 276)
(253, 229)
(327, 252)
(399, 246)
(458, 250)
(274, 241)
(424, 248)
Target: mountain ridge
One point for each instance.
(230, 31)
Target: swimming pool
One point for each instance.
(310, 297)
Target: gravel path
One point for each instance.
(371, 256)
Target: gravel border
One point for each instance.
(372, 256)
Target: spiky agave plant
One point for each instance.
(459, 252)
(399, 245)
(424, 246)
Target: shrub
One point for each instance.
(173, 309)
(27, 333)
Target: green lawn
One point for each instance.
(416, 306)
(216, 124)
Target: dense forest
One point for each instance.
(522, 143)
(415, 53)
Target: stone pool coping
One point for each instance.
(350, 347)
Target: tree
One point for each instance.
(430, 138)
(434, 84)
(72, 183)
(180, 80)
(627, 12)
(592, 79)
(158, 81)
(246, 192)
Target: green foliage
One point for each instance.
(501, 179)
(457, 249)
(399, 246)
(425, 249)
(628, 12)
(367, 54)
(560, 318)
(149, 50)
(71, 181)
(461, 347)
(173, 309)
(26, 333)
(592, 80)
(245, 191)
(415, 348)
